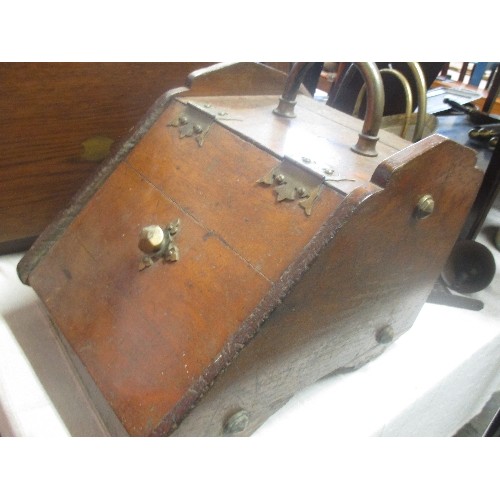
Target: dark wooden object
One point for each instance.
(493, 92)
(264, 299)
(57, 121)
(486, 196)
(345, 98)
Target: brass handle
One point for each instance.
(408, 97)
(375, 105)
(286, 104)
(419, 78)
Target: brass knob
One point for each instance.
(151, 239)
(425, 206)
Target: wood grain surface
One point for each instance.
(48, 113)
(235, 244)
(145, 337)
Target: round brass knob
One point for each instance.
(151, 239)
(425, 206)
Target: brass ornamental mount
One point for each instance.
(374, 109)
(193, 123)
(157, 244)
(293, 182)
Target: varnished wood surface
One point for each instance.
(145, 337)
(47, 112)
(238, 79)
(234, 235)
(217, 185)
(323, 135)
(58, 224)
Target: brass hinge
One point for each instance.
(196, 119)
(292, 181)
(192, 122)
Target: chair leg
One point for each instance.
(493, 91)
(490, 78)
(477, 73)
(463, 71)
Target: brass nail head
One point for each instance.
(236, 423)
(425, 206)
(386, 335)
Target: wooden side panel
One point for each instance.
(244, 78)
(377, 271)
